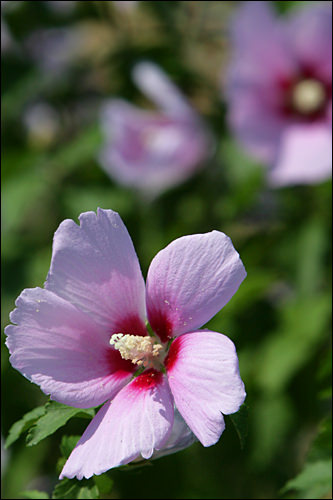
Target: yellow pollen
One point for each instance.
(140, 350)
(308, 96)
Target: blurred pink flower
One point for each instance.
(83, 338)
(153, 150)
(279, 90)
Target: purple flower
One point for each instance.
(153, 150)
(279, 89)
(84, 341)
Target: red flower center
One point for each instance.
(305, 96)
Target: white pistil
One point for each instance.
(140, 350)
(308, 96)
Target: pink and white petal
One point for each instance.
(190, 280)
(60, 348)
(155, 84)
(94, 266)
(162, 153)
(150, 151)
(137, 421)
(310, 33)
(181, 437)
(203, 374)
(116, 114)
(305, 155)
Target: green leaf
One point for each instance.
(304, 325)
(23, 425)
(56, 415)
(321, 447)
(35, 494)
(72, 488)
(67, 444)
(104, 483)
(240, 421)
(315, 480)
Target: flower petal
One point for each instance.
(60, 348)
(190, 281)
(310, 32)
(151, 151)
(253, 74)
(155, 84)
(253, 22)
(305, 155)
(94, 266)
(181, 437)
(137, 421)
(204, 377)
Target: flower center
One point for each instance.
(308, 96)
(140, 350)
(163, 139)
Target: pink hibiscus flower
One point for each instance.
(153, 150)
(83, 340)
(279, 90)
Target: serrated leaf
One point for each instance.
(240, 421)
(72, 488)
(35, 494)
(56, 415)
(68, 444)
(23, 425)
(314, 481)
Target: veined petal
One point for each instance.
(94, 266)
(60, 348)
(181, 437)
(190, 280)
(204, 378)
(137, 421)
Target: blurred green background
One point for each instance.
(280, 319)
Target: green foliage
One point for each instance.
(72, 488)
(23, 424)
(35, 494)
(104, 483)
(56, 415)
(321, 447)
(315, 481)
(303, 323)
(67, 444)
